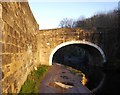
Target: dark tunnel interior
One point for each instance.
(78, 56)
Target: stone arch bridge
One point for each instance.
(23, 46)
(50, 41)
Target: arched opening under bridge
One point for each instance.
(77, 52)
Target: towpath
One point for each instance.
(61, 80)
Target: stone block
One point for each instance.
(0, 34)
(8, 39)
(4, 60)
(7, 48)
(0, 11)
(8, 59)
(13, 49)
(3, 36)
(0, 47)
(0, 60)
(3, 48)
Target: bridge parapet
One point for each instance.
(72, 34)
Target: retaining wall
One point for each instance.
(18, 44)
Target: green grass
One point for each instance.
(32, 83)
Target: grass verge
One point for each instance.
(32, 83)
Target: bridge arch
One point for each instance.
(84, 43)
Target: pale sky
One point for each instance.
(49, 14)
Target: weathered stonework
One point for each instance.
(19, 44)
(23, 46)
(48, 40)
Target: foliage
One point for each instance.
(97, 21)
(100, 20)
(32, 83)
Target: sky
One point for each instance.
(49, 14)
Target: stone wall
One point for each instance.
(18, 44)
(48, 40)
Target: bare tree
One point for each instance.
(66, 23)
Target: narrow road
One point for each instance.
(61, 80)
